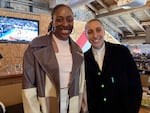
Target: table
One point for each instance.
(10, 78)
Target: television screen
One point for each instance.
(18, 30)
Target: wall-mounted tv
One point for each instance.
(18, 30)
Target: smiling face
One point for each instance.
(63, 22)
(95, 32)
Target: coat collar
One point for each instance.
(106, 56)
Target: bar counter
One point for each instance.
(10, 78)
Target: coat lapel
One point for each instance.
(107, 56)
(47, 60)
(77, 57)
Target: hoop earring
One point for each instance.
(73, 31)
(53, 29)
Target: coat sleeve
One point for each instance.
(83, 96)
(135, 87)
(29, 90)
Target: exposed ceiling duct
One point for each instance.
(126, 4)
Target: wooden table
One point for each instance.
(10, 78)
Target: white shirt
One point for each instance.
(99, 55)
(64, 59)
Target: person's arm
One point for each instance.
(135, 87)
(84, 106)
(29, 90)
(83, 94)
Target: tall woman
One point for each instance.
(53, 70)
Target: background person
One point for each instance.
(53, 74)
(136, 50)
(113, 81)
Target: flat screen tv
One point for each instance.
(18, 30)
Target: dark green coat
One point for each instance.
(117, 88)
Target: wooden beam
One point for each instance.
(120, 19)
(79, 3)
(136, 20)
(138, 35)
(147, 12)
(103, 4)
(92, 8)
(133, 40)
(133, 37)
(123, 11)
(112, 25)
(145, 22)
(138, 32)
